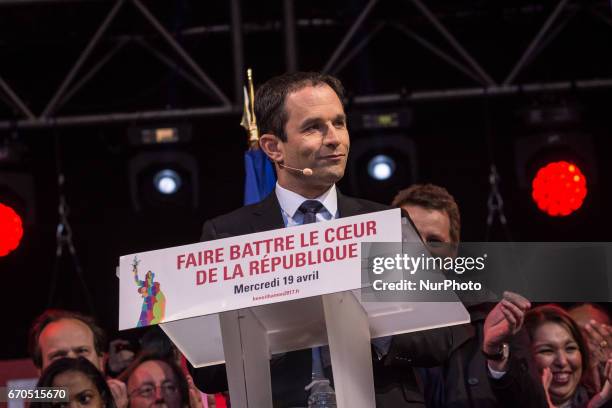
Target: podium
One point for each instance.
(243, 331)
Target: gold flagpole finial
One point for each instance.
(249, 121)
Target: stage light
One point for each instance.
(383, 157)
(160, 181)
(17, 203)
(381, 167)
(559, 188)
(170, 133)
(167, 181)
(557, 167)
(11, 230)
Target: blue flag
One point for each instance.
(260, 178)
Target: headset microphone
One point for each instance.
(305, 171)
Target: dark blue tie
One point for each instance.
(310, 208)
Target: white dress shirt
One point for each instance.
(290, 202)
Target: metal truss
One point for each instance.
(470, 66)
(70, 86)
(484, 84)
(550, 29)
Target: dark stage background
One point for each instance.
(454, 138)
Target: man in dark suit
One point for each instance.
(462, 381)
(304, 133)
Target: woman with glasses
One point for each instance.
(152, 380)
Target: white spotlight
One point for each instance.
(381, 167)
(167, 181)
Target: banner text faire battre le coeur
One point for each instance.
(275, 254)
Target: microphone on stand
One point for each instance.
(306, 171)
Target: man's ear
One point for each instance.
(272, 147)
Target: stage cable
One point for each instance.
(495, 201)
(63, 236)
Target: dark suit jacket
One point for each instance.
(266, 215)
(394, 379)
(463, 380)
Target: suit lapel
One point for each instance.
(347, 207)
(267, 215)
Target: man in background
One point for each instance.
(433, 211)
(58, 333)
(461, 380)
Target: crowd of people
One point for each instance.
(70, 351)
(511, 354)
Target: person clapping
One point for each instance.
(538, 357)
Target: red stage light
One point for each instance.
(11, 229)
(559, 188)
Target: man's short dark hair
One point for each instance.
(432, 197)
(53, 315)
(270, 98)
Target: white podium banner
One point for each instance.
(249, 270)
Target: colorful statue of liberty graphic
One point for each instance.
(154, 301)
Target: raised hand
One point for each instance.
(119, 391)
(504, 321)
(546, 381)
(195, 397)
(605, 395)
(599, 336)
(606, 392)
